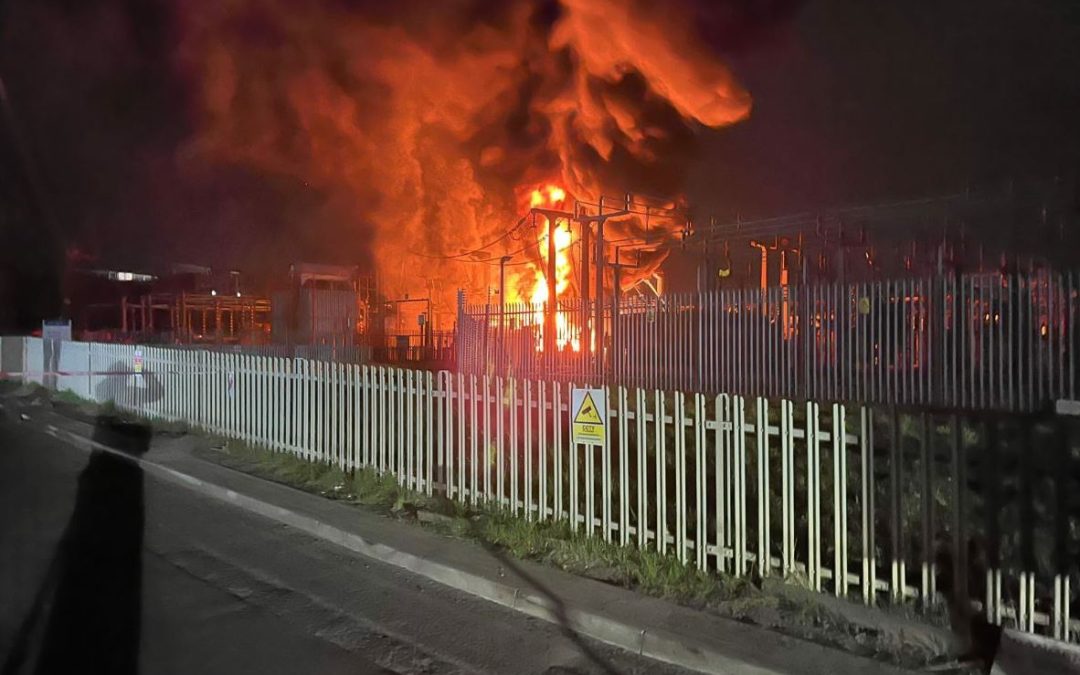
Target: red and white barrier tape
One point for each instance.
(88, 373)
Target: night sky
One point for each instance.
(854, 102)
(859, 102)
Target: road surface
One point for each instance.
(104, 569)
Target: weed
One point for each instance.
(70, 397)
(370, 488)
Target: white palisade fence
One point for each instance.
(857, 504)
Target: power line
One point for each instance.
(573, 243)
(466, 254)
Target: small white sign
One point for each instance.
(56, 330)
(138, 369)
(589, 416)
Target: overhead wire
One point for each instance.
(574, 242)
(466, 254)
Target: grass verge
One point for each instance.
(889, 634)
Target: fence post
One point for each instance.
(1062, 561)
(896, 507)
(462, 364)
(642, 477)
(959, 539)
(89, 369)
(929, 565)
(840, 501)
(869, 563)
(738, 475)
(806, 328)
(787, 469)
(813, 495)
(764, 545)
(660, 431)
(697, 359)
(700, 464)
(681, 507)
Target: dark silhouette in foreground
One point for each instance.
(86, 615)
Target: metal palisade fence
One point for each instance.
(345, 353)
(878, 506)
(976, 341)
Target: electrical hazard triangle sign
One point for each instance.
(590, 416)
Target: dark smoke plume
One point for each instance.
(430, 122)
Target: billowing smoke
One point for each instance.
(430, 122)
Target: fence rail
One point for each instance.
(870, 505)
(345, 353)
(407, 349)
(984, 341)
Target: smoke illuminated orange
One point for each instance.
(413, 126)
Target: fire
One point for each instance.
(412, 164)
(552, 197)
(562, 264)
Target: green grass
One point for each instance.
(371, 489)
(555, 544)
(71, 398)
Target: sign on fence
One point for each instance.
(589, 408)
(138, 368)
(56, 329)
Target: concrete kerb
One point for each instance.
(1024, 653)
(638, 638)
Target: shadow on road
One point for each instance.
(86, 614)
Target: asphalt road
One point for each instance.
(103, 569)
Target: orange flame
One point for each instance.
(552, 197)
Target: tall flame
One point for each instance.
(552, 197)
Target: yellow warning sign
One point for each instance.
(590, 416)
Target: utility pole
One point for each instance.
(502, 281)
(586, 232)
(549, 311)
(553, 306)
(598, 322)
(618, 268)
(600, 218)
(584, 221)
(502, 313)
